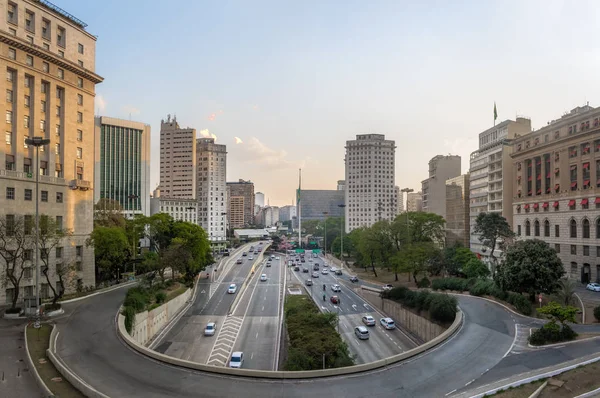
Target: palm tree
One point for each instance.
(567, 291)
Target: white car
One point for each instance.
(368, 320)
(232, 288)
(277, 258)
(387, 323)
(325, 272)
(336, 288)
(387, 287)
(237, 359)
(211, 327)
(594, 287)
(263, 278)
(250, 258)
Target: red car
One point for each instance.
(335, 299)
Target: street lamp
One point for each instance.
(342, 236)
(325, 214)
(37, 142)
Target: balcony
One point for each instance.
(52, 180)
(82, 185)
(14, 174)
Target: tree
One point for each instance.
(492, 228)
(108, 213)
(192, 243)
(111, 249)
(475, 268)
(559, 313)
(51, 235)
(566, 293)
(16, 247)
(425, 227)
(532, 267)
(417, 256)
(160, 231)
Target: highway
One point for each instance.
(381, 344)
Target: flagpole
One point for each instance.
(299, 209)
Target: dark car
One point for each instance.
(268, 264)
(353, 279)
(316, 267)
(305, 270)
(296, 268)
(335, 299)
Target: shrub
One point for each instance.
(129, 314)
(443, 308)
(597, 313)
(169, 283)
(552, 333)
(15, 310)
(160, 297)
(520, 302)
(52, 307)
(458, 284)
(425, 282)
(483, 288)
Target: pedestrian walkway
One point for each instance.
(226, 338)
(522, 341)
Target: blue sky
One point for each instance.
(295, 80)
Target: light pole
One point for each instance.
(325, 247)
(37, 142)
(342, 236)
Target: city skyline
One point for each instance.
(316, 65)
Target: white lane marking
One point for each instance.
(263, 308)
(252, 356)
(256, 334)
(514, 341)
(469, 382)
(451, 392)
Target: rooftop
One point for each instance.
(57, 10)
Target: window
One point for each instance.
(80, 63)
(598, 229)
(557, 247)
(29, 60)
(58, 110)
(9, 117)
(79, 99)
(12, 53)
(9, 96)
(80, 48)
(78, 251)
(30, 39)
(574, 249)
(79, 153)
(10, 224)
(10, 74)
(586, 250)
(79, 135)
(586, 228)
(519, 230)
(573, 228)
(527, 228)
(59, 197)
(597, 251)
(11, 16)
(58, 252)
(28, 194)
(44, 196)
(58, 130)
(28, 274)
(59, 92)
(26, 121)
(29, 21)
(8, 137)
(43, 106)
(46, 29)
(79, 82)
(78, 267)
(60, 36)
(547, 228)
(42, 126)
(57, 149)
(61, 73)
(557, 230)
(59, 223)
(79, 117)
(10, 193)
(46, 67)
(46, 47)
(536, 228)
(61, 53)
(12, 31)
(27, 165)
(27, 101)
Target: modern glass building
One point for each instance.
(122, 164)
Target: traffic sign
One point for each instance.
(37, 324)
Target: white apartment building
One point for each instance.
(177, 160)
(178, 208)
(441, 169)
(414, 201)
(49, 63)
(370, 193)
(259, 199)
(400, 200)
(211, 185)
(488, 167)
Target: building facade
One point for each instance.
(240, 204)
(556, 185)
(177, 160)
(457, 211)
(441, 168)
(488, 166)
(341, 185)
(49, 62)
(400, 200)
(122, 164)
(268, 216)
(287, 213)
(315, 202)
(212, 189)
(259, 199)
(178, 208)
(370, 171)
(414, 201)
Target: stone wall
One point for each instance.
(148, 323)
(417, 325)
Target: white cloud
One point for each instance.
(256, 152)
(130, 109)
(100, 104)
(238, 140)
(207, 134)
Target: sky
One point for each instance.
(284, 84)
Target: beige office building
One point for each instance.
(177, 160)
(556, 185)
(441, 168)
(240, 205)
(178, 208)
(49, 63)
(414, 201)
(211, 163)
(457, 211)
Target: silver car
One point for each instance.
(211, 327)
(594, 287)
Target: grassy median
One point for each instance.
(38, 341)
(313, 341)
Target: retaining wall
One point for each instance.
(417, 325)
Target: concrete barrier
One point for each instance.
(269, 374)
(99, 291)
(36, 375)
(78, 383)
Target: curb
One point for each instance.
(102, 291)
(34, 370)
(537, 392)
(582, 309)
(491, 301)
(563, 343)
(592, 393)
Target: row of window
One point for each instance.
(9, 119)
(585, 205)
(585, 125)
(573, 229)
(28, 195)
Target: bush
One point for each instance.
(52, 307)
(552, 333)
(169, 283)
(441, 307)
(129, 314)
(483, 288)
(160, 297)
(458, 284)
(16, 310)
(520, 302)
(425, 282)
(597, 313)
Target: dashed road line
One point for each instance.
(225, 340)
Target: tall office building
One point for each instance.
(555, 179)
(268, 216)
(212, 189)
(414, 201)
(488, 167)
(370, 193)
(49, 61)
(287, 213)
(122, 164)
(457, 211)
(259, 199)
(177, 160)
(240, 203)
(178, 208)
(341, 185)
(315, 202)
(400, 200)
(441, 168)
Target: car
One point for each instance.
(232, 288)
(361, 332)
(268, 263)
(315, 274)
(325, 272)
(302, 261)
(368, 320)
(316, 267)
(595, 287)
(353, 279)
(250, 258)
(335, 299)
(237, 359)
(277, 258)
(387, 287)
(336, 288)
(296, 268)
(387, 323)
(310, 260)
(260, 243)
(263, 278)
(239, 261)
(338, 272)
(210, 329)
(325, 265)
(244, 254)
(332, 269)
(308, 282)
(305, 270)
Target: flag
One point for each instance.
(298, 197)
(495, 112)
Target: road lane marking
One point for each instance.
(451, 392)
(263, 308)
(256, 334)
(469, 382)
(252, 356)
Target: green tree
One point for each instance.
(425, 227)
(566, 292)
(475, 268)
(16, 248)
(417, 256)
(160, 231)
(492, 228)
(111, 249)
(108, 213)
(559, 313)
(192, 243)
(532, 267)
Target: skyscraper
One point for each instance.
(457, 211)
(212, 189)
(441, 168)
(122, 164)
(414, 201)
(370, 180)
(240, 206)
(49, 61)
(177, 160)
(259, 199)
